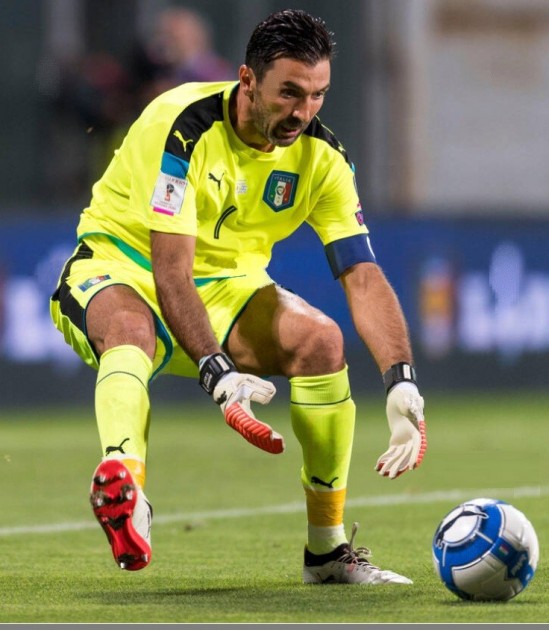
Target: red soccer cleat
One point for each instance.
(124, 513)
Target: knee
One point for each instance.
(129, 328)
(139, 326)
(320, 349)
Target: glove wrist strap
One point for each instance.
(397, 373)
(212, 368)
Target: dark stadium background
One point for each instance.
(443, 106)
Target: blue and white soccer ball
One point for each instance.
(485, 549)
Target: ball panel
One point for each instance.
(520, 532)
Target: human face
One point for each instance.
(286, 100)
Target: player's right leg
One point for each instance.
(122, 410)
(279, 333)
(109, 324)
(121, 508)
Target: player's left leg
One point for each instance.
(280, 334)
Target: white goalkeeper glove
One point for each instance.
(407, 424)
(234, 392)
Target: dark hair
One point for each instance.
(291, 33)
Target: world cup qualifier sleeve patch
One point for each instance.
(168, 194)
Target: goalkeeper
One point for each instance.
(169, 277)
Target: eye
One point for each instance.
(288, 93)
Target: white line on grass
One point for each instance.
(453, 496)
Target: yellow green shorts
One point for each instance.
(97, 264)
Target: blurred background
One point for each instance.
(443, 106)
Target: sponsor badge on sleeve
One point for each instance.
(168, 195)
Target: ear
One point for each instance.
(247, 81)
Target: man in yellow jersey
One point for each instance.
(169, 277)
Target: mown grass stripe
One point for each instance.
(455, 495)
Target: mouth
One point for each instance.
(290, 132)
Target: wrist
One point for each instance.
(212, 368)
(398, 373)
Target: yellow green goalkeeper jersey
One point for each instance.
(182, 169)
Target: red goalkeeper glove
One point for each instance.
(234, 392)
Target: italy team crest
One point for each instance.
(280, 190)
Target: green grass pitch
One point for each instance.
(229, 522)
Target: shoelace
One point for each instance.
(360, 555)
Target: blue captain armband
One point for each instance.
(346, 252)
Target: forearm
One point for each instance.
(380, 322)
(181, 306)
(377, 315)
(186, 316)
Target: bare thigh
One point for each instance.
(118, 316)
(279, 333)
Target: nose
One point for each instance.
(303, 110)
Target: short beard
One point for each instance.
(261, 118)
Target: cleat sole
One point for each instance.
(113, 498)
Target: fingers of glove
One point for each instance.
(418, 445)
(256, 389)
(394, 462)
(382, 460)
(401, 457)
(236, 387)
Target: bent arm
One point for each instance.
(183, 310)
(377, 314)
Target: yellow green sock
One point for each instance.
(122, 406)
(323, 420)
